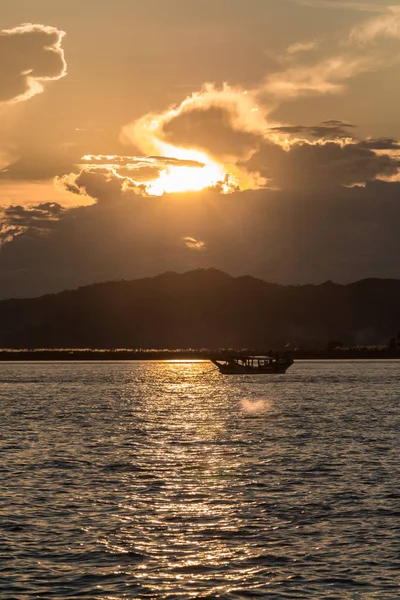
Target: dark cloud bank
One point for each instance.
(287, 237)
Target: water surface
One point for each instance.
(169, 480)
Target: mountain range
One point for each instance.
(204, 309)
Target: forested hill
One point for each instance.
(204, 309)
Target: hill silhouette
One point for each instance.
(203, 309)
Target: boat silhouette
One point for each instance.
(252, 365)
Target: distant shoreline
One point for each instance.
(183, 355)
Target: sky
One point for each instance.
(253, 136)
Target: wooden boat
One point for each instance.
(252, 365)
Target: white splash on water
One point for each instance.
(255, 407)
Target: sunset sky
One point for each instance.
(259, 137)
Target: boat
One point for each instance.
(252, 365)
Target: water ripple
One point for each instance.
(163, 480)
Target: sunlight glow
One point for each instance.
(175, 179)
(178, 179)
(188, 171)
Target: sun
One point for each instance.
(179, 179)
(205, 172)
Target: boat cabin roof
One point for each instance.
(246, 358)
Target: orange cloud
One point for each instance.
(31, 56)
(214, 126)
(356, 52)
(6, 158)
(327, 76)
(221, 121)
(194, 244)
(384, 26)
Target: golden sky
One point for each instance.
(177, 108)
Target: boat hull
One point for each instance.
(278, 367)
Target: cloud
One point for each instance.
(380, 144)
(215, 127)
(224, 122)
(327, 129)
(142, 176)
(16, 220)
(24, 165)
(102, 185)
(233, 127)
(6, 159)
(30, 56)
(326, 76)
(285, 157)
(384, 26)
(137, 162)
(194, 244)
(211, 129)
(141, 171)
(289, 236)
(329, 72)
(322, 165)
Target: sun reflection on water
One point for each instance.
(186, 489)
